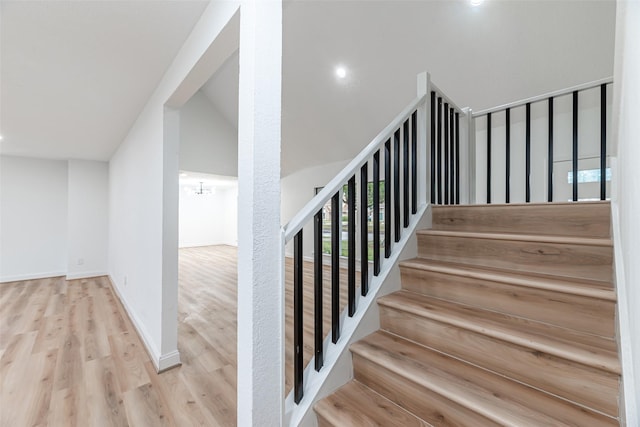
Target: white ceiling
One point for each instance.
(501, 51)
(76, 74)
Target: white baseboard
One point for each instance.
(32, 276)
(161, 362)
(85, 275)
(168, 361)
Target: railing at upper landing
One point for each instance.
(574, 132)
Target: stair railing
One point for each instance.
(445, 148)
(568, 143)
(387, 183)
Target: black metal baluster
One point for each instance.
(396, 184)
(317, 290)
(446, 153)
(388, 184)
(528, 153)
(508, 155)
(364, 231)
(351, 245)
(457, 158)
(452, 170)
(298, 335)
(433, 148)
(335, 267)
(439, 154)
(603, 142)
(414, 162)
(488, 158)
(550, 154)
(376, 213)
(575, 146)
(405, 173)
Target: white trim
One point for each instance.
(629, 405)
(561, 92)
(168, 361)
(161, 362)
(32, 276)
(86, 275)
(313, 381)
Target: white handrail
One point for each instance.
(561, 92)
(315, 204)
(448, 100)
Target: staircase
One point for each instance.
(507, 317)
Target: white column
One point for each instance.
(260, 278)
(169, 355)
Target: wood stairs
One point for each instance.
(506, 318)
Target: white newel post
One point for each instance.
(424, 154)
(260, 282)
(471, 136)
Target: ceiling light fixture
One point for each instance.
(341, 72)
(476, 2)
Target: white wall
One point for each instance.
(143, 209)
(209, 219)
(208, 143)
(87, 220)
(297, 189)
(33, 218)
(627, 205)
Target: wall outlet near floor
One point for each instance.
(125, 280)
(80, 261)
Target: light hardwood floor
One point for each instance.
(69, 355)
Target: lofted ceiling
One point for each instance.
(76, 74)
(482, 56)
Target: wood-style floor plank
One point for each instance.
(69, 355)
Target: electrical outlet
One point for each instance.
(125, 280)
(80, 261)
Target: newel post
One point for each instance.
(424, 88)
(471, 167)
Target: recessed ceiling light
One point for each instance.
(0, 137)
(341, 72)
(183, 174)
(476, 2)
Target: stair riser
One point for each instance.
(568, 260)
(323, 423)
(584, 385)
(420, 401)
(590, 315)
(580, 220)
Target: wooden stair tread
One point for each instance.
(568, 285)
(567, 344)
(538, 238)
(493, 397)
(355, 405)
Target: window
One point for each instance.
(326, 220)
